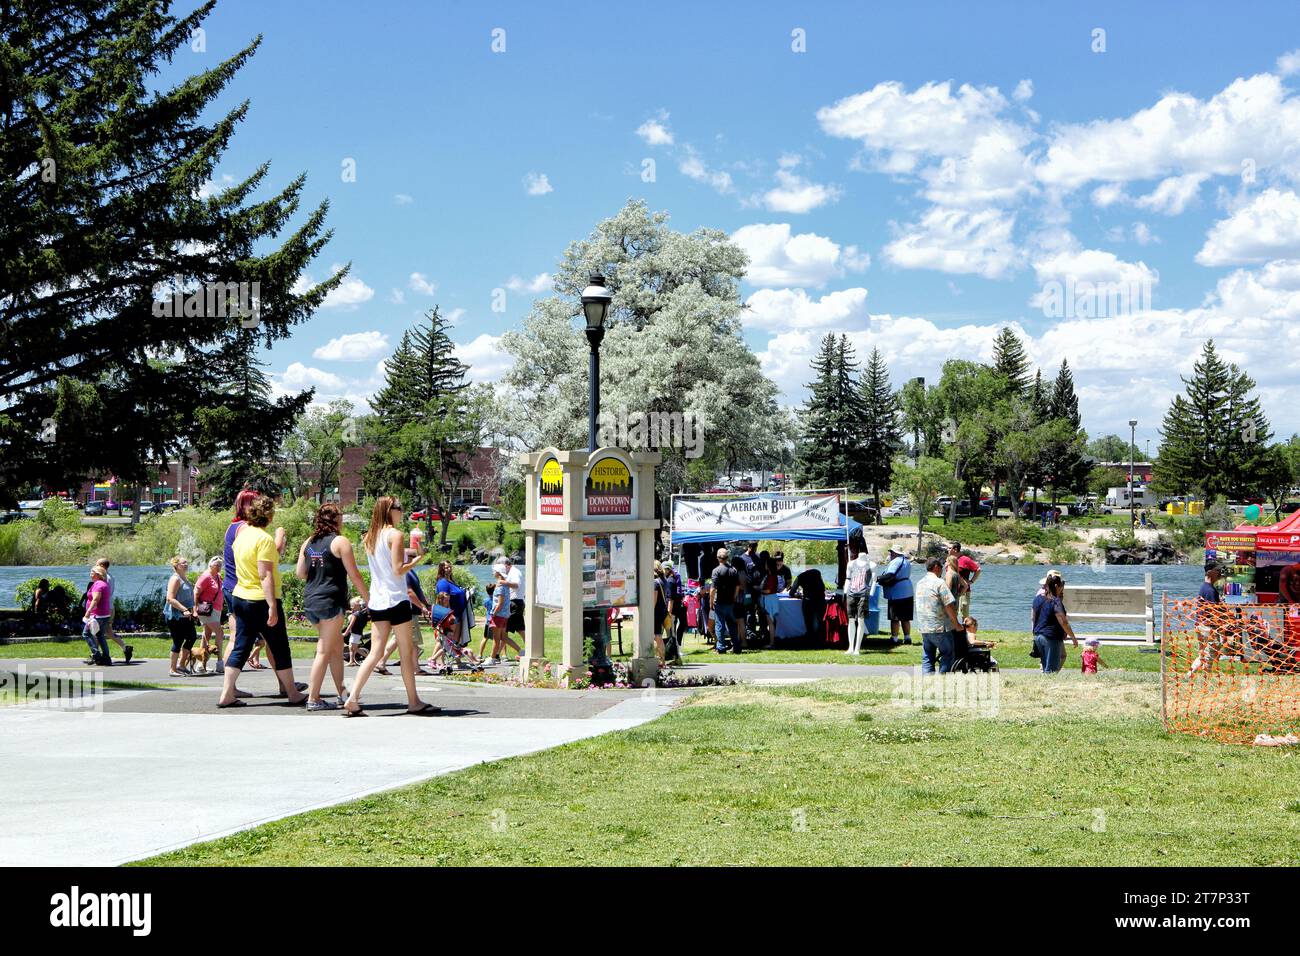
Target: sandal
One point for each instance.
(234, 703)
(359, 712)
(426, 709)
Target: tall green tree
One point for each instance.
(880, 432)
(240, 434)
(104, 197)
(1065, 465)
(831, 419)
(425, 428)
(674, 346)
(1010, 360)
(922, 483)
(313, 449)
(1109, 448)
(1214, 436)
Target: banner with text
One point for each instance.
(770, 516)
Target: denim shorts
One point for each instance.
(319, 615)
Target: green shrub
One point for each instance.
(465, 542)
(23, 593)
(499, 531)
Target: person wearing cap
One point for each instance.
(896, 580)
(1052, 624)
(726, 589)
(1207, 615)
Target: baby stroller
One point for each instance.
(973, 656)
(444, 622)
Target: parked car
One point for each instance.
(170, 505)
(31, 504)
(982, 509)
(896, 511)
(420, 514)
(147, 507)
(861, 511)
(94, 509)
(482, 513)
(8, 516)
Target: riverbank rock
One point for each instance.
(1157, 552)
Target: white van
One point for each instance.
(1119, 498)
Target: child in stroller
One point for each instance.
(971, 655)
(449, 647)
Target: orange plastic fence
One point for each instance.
(1230, 671)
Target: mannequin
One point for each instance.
(859, 577)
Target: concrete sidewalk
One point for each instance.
(156, 769)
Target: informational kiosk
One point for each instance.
(589, 529)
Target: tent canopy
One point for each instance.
(1288, 524)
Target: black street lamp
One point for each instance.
(595, 307)
(1132, 453)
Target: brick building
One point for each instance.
(175, 482)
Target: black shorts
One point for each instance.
(515, 623)
(251, 626)
(183, 633)
(397, 614)
(900, 609)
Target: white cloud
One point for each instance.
(1288, 64)
(1252, 118)
(1173, 194)
(693, 167)
(537, 184)
(211, 187)
(900, 127)
(778, 258)
(1091, 268)
(397, 297)
(794, 194)
(957, 241)
(402, 199)
(454, 316)
(539, 283)
(1267, 228)
(486, 359)
(348, 294)
(655, 132)
(418, 282)
(353, 347)
(1107, 194)
(786, 309)
(298, 377)
(1142, 235)
(1024, 90)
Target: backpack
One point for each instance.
(890, 578)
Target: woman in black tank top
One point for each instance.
(326, 562)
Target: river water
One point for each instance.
(1000, 600)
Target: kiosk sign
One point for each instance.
(609, 488)
(550, 488)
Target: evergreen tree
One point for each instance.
(425, 429)
(102, 177)
(237, 455)
(880, 432)
(1010, 360)
(1065, 462)
(1214, 436)
(831, 418)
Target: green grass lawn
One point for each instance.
(1067, 771)
(1012, 652)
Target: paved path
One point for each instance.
(115, 783)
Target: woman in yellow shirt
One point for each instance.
(256, 605)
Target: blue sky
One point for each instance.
(916, 177)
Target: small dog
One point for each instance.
(200, 656)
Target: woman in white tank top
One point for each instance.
(390, 609)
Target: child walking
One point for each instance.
(1091, 657)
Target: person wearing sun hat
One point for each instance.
(896, 579)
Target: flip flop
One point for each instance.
(426, 709)
(234, 703)
(354, 713)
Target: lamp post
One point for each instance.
(1132, 449)
(916, 425)
(595, 307)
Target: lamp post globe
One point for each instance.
(595, 308)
